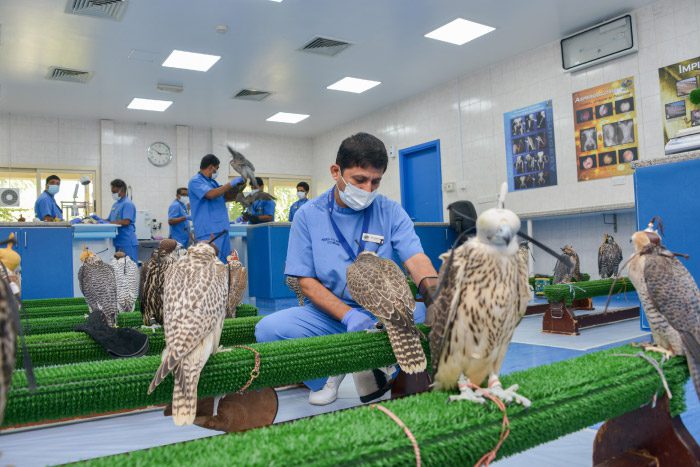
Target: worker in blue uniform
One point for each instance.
(303, 197)
(325, 238)
(260, 210)
(123, 214)
(179, 217)
(208, 204)
(46, 209)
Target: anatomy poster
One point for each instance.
(676, 82)
(531, 160)
(605, 126)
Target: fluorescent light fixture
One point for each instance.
(284, 117)
(459, 31)
(356, 85)
(190, 60)
(155, 105)
(276, 1)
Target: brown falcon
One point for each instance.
(152, 280)
(609, 257)
(564, 273)
(670, 298)
(483, 296)
(293, 284)
(379, 285)
(237, 283)
(194, 308)
(99, 286)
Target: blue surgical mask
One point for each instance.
(53, 189)
(355, 198)
(116, 197)
(214, 175)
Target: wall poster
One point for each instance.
(530, 155)
(676, 82)
(605, 127)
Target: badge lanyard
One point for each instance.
(343, 242)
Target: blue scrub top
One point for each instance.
(295, 207)
(126, 234)
(209, 216)
(263, 207)
(315, 251)
(179, 232)
(46, 206)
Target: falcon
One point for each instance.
(609, 257)
(99, 286)
(563, 273)
(242, 166)
(247, 200)
(670, 298)
(524, 252)
(293, 284)
(126, 273)
(237, 283)
(9, 318)
(152, 279)
(194, 308)
(483, 295)
(379, 285)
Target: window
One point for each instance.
(281, 187)
(75, 199)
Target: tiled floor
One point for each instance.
(138, 431)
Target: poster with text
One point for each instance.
(676, 82)
(530, 155)
(605, 127)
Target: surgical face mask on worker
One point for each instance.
(53, 189)
(185, 200)
(116, 197)
(355, 198)
(254, 190)
(301, 194)
(214, 174)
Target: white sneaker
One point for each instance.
(328, 394)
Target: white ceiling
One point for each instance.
(260, 51)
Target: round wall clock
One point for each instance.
(159, 154)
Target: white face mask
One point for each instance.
(184, 199)
(301, 194)
(116, 197)
(255, 190)
(214, 175)
(355, 198)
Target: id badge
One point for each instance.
(368, 237)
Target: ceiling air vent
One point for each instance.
(65, 74)
(251, 95)
(112, 9)
(325, 46)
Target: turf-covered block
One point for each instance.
(567, 293)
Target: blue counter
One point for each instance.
(267, 253)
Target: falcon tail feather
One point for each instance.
(166, 367)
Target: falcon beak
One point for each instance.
(504, 233)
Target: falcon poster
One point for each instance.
(605, 126)
(676, 82)
(530, 156)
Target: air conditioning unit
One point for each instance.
(600, 43)
(9, 197)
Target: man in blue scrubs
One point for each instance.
(123, 214)
(46, 209)
(261, 210)
(303, 195)
(208, 204)
(323, 242)
(179, 218)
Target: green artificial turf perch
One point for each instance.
(569, 292)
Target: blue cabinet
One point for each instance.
(47, 266)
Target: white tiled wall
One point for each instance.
(467, 116)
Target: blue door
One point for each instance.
(47, 262)
(421, 182)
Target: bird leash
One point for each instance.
(402, 425)
(487, 458)
(659, 370)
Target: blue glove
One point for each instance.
(356, 320)
(237, 180)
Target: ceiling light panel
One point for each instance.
(356, 85)
(190, 60)
(285, 117)
(154, 105)
(459, 31)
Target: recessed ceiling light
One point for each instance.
(276, 1)
(155, 105)
(459, 31)
(190, 60)
(356, 85)
(284, 117)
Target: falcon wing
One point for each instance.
(676, 296)
(261, 196)
(239, 161)
(617, 252)
(601, 254)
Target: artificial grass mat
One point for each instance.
(74, 347)
(566, 397)
(576, 290)
(66, 322)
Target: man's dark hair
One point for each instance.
(119, 184)
(51, 178)
(362, 150)
(181, 191)
(209, 159)
(304, 185)
(259, 181)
